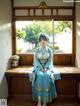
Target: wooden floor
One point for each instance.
(26, 102)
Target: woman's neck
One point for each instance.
(43, 46)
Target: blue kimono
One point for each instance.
(44, 76)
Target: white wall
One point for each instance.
(78, 38)
(36, 2)
(78, 35)
(5, 44)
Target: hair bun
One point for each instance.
(43, 36)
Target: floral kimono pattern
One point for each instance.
(45, 74)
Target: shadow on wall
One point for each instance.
(78, 43)
(3, 86)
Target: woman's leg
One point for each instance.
(39, 104)
(39, 101)
(44, 104)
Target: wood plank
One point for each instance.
(26, 70)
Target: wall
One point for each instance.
(5, 44)
(36, 2)
(78, 38)
(78, 34)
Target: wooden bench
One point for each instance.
(67, 87)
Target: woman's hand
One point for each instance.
(33, 72)
(44, 69)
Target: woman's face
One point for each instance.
(43, 43)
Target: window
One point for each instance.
(27, 33)
(59, 32)
(63, 37)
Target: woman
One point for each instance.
(43, 79)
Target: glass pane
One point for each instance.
(63, 37)
(27, 33)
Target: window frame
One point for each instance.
(52, 34)
(59, 59)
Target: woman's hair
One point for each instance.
(43, 36)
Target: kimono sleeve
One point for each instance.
(36, 63)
